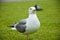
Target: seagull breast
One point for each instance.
(32, 24)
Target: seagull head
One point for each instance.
(32, 10)
(38, 8)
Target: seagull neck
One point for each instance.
(32, 15)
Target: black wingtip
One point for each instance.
(10, 26)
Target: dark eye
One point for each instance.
(30, 8)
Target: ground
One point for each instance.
(11, 12)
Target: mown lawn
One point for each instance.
(11, 12)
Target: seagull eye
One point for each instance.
(30, 8)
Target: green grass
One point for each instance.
(11, 12)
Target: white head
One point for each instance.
(32, 10)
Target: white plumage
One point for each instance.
(32, 23)
(29, 25)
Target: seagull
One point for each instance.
(29, 25)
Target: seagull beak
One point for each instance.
(38, 8)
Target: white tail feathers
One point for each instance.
(13, 28)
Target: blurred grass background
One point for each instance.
(11, 12)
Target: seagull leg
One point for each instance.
(27, 37)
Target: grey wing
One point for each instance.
(21, 26)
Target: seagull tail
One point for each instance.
(12, 27)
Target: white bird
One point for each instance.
(29, 25)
